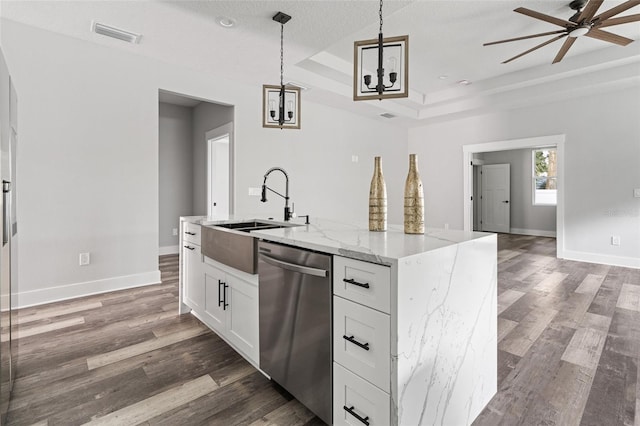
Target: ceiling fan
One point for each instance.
(585, 22)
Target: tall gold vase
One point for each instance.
(377, 199)
(413, 199)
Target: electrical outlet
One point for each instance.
(354, 158)
(446, 226)
(255, 192)
(615, 240)
(636, 193)
(174, 232)
(85, 259)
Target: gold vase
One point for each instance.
(377, 199)
(413, 199)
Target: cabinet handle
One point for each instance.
(364, 346)
(190, 248)
(225, 304)
(349, 410)
(189, 233)
(354, 282)
(220, 301)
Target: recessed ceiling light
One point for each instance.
(387, 115)
(464, 82)
(226, 22)
(443, 77)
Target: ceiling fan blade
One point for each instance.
(525, 37)
(546, 18)
(535, 48)
(618, 9)
(589, 11)
(564, 49)
(621, 20)
(607, 36)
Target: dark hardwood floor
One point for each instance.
(569, 352)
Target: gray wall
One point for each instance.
(175, 172)
(524, 215)
(206, 116)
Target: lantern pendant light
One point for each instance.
(281, 104)
(370, 58)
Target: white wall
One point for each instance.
(88, 160)
(175, 170)
(602, 154)
(525, 217)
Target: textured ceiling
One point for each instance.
(445, 40)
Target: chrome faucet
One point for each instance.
(288, 213)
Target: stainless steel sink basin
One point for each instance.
(233, 245)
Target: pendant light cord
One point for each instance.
(380, 16)
(281, 55)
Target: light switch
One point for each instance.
(354, 158)
(615, 240)
(636, 193)
(85, 259)
(255, 192)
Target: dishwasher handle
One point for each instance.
(293, 266)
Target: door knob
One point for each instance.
(506, 201)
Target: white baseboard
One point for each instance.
(628, 262)
(168, 250)
(71, 291)
(533, 232)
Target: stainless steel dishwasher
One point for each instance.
(295, 323)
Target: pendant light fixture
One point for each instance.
(381, 67)
(281, 104)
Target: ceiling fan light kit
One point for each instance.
(281, 104)
(371, 57)
(584, 22)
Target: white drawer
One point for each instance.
(360, 398)
(191, 233)
(361, 341)
(362, 282)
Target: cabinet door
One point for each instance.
(242, 318)
(215, 306)
(193, 276)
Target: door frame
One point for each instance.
(214, 134)
(556, 141)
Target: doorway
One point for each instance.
(470, 178)
(219, 172)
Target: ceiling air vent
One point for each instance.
(113, 32)
(387, 115)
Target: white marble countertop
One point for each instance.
(355, 240)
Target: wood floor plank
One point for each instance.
(504, 328)
(629, 298)
(551, 282)
(527, 332)
(140, 348)
(158, 404)
(55, 311)
(292, 413)
(35, 330)
(508, 298)
(585, 348)
(591, 284)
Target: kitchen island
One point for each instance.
(428, 314)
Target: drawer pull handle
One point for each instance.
(364, 346)
(354, 282)
(190, 248)
(190, 233)
(349, 410)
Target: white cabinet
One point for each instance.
(193, 277)
(222, 297)
(361, 343)
(230, 307)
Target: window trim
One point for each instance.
(533, 177)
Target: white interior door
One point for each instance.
(496, 197)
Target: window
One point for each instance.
(544, 165)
